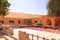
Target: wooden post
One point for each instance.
(43, 38)
(37, 37)
(32, 37)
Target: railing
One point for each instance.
(39, 38)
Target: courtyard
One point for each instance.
(46, 33)
(30, 20)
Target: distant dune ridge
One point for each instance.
(21, 15)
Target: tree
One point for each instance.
(4, 7)
(53, 7)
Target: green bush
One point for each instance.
(39, 24)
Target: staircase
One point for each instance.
(9, 37)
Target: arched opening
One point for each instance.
(49, 22)
(58, 23)
(1, 21)
(27, 22)
(11, 21)
(36, 21)
(19, 22)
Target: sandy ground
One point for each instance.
(45, 34)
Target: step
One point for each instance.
(9, 38)
(16, 37)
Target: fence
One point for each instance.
(41, 38)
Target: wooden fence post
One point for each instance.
(43, 38)
(37, 37)
(32, 37)
(28, 36)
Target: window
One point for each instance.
(58, 20)
(35, 21)
(48, 22)
(19, 22)
(11, 22)
(27, 21)
(1, 21)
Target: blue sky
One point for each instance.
(29, 6)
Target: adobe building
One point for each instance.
(29, 19)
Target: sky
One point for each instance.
(29, 6)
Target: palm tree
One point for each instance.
(4, 7)
(53, 7)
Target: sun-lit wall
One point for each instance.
(53, 21)
(45, 20)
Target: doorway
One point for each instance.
(49, 22)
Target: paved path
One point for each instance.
(45, 34)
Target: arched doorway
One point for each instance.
(27, 22)
(49, 22)
(58, 23)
